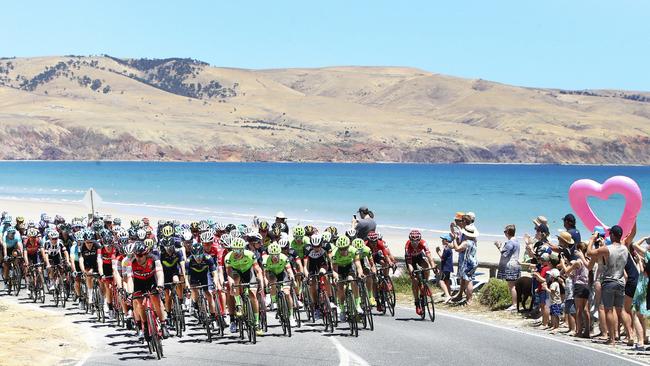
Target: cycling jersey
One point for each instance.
(144, 275)
(10, 244)
(364, 253)
(106, 255)
(90, 256)
(74, 252)
(344, 260)
(171, 261)
(54, 250)
(32, 246)
(300, 246)
(276, 267)
(243, 264)
(379, 246)
(199, 272)
(417, 252)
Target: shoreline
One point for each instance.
(321, 162)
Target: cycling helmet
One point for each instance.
(140, 248)
(230, 227)
(194, 226)
(351, 233)
(203, 226)
(249, 231)
(185, 226)
(310, 230)
(327, 237)
(122, 235)
(149, 243)
(76, 224)
(7, 220)
(235, 233)
(79, 236)
(219, 226)
(333, 230)
(53, 234)
(226, 240)
(178, 231)
(238, 243)
(135, 223)
(12, 230)
(187, 235)
(207, 237)
(44, 217)
(254, 237)
(373, 236)
(141, 234)
(107, 236)
(167, 231)
(358, 243)
(264, 226)
(415, 235)
(197, 250)
(342, 242)
(117, 221)
(316, 240)
(283, 242)
(20, 219)
(133, 233)
(167, 243)
(129, 248)
(210, 222)
(298, 231)
(241, 228)
(276, 232)
(274, 249)
(89, 235)
(32, 232)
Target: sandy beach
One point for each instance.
(31, 210)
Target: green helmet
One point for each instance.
(327, 237)
(274, 249)
(298, 231)
(342, 242)
(238, 243)
(358, 243)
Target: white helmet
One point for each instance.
(53, 234)
(141, 233)
(351, 233)
(283, 242)
(316, 240)
(226, 239)
(187, 235)
(280, 215)
(207, 237)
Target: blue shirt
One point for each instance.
(447, 260)
(11, 243)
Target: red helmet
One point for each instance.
(372, 236)
(415, 235)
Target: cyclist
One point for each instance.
(381, 256)
(345, 264)
(416, 255)
(89, 259)
(173, 265)
(33, 252)
(296, 264)
(277, 268)
(263, 229)
(368, 265)
(12, 246)
(201, 271)
(316, 262)
(74, 263)
(239, 266)
(54, 252)
(105, 256)
(145, 275)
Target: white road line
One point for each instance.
(347, 357)
(438, 312)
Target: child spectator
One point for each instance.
(556, 299)
(446, 265)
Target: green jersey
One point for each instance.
(277, 267)
(300, 245)
(342, 260)
(242, 264)
(364, 253)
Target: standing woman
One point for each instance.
(578, 269)
(467, 249)
(640, 301)
(509, 267)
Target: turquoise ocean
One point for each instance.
(401, 195)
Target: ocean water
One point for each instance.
(401, 195)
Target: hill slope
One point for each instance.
(103, 107)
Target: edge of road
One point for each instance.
(469, 318)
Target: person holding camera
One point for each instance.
(364, 223)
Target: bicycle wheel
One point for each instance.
(431, 311)
(178, 315)
(351, 310)
(18, 274)
(262, 308)
(390, 295)
(250, 319)
(42, 287)
(307, 302)
(153, 333)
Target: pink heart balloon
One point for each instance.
(583, 188)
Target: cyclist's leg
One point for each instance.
(274, 292)
(211, 305)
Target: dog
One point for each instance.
(524, 288)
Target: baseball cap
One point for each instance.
(616, 230)
(569, 218)
(446, 237)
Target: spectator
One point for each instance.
(556, 299)
(540, 277)
(613, 284)
(446, 265)
(535, 247)
(365, 223)
(570, 226)
(467, 249)
(509, 267)
(579, 274)
(641, 298)
(281, 221)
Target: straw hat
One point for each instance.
(540, 220)
(470, 231)
(565, 236)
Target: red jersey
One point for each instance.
(106, 255)
(144, 271)
(379, 247)
(410, 252)
(217, 253)
(32, 245)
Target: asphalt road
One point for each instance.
(399, 340)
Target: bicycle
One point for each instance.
(283, 307)
(307, 302)
(177, 314)
(350, 307)
(59, 284)
(261, 301)
(246, 321)
(152, 332)
(36, 283)
(220, 320)
(385, 291)
(296, 307)
(116, 301)
(204, 316)
(425, 294)
(97, 299)
(367, 320)
(324, 303)
(15, 274)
